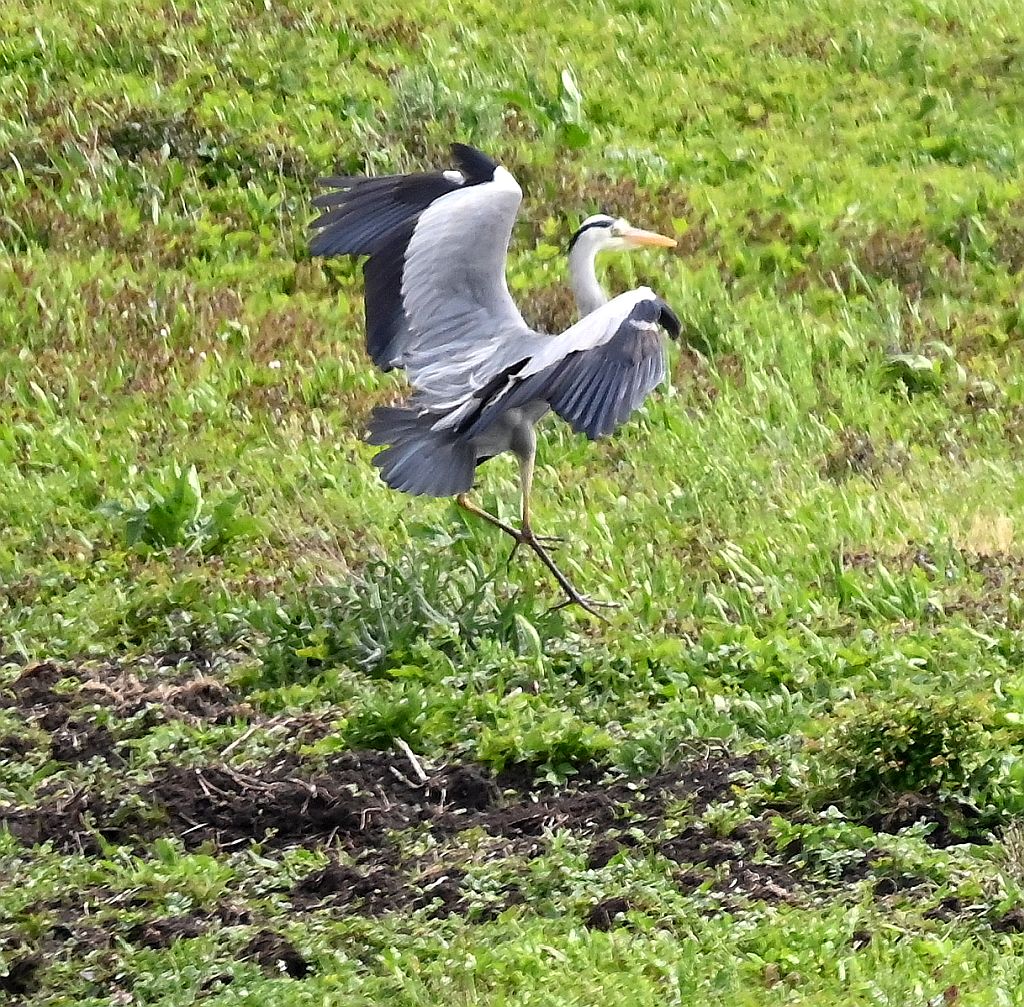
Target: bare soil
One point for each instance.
(360, 808)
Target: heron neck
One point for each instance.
(590, 295)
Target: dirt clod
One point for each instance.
(80, 740)
(338, 884)
(276, 955)
(15, 746)
(1011, 922)
(163, 933)
(607, 914)
(34, 686)
(911, 808)
(605, 850)
(22, 975)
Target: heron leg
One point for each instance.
(528, 538)
(466, 504)
(526, 535)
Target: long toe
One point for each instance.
(549, 540)
(530, 537)
(591, 605)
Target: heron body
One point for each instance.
(438, 306)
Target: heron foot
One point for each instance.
(528, 538)
(573, 597)
(585, 602)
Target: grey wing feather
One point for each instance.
(416, 458)
(597, 391)
(377, 217)
(437, 302)
(455, 293)
(595, 376)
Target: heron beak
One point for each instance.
(634, 236)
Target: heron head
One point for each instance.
(604, 233)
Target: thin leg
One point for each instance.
(572, 596)
(466, 504)
(527, 537)
(526, 464)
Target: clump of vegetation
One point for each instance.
(397, 712)
(945, 748)
(388, 616)
(551, 743)
(174, 512)
(924, 372)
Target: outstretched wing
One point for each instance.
(595, 375)
(437, 302)
(376, 217)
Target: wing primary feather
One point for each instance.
(592, 407)
(385, 319)
(475, 164)
(576, 391)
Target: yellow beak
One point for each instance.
(637, 237)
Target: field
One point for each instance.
(272, 734)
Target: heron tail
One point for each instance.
(417, 459)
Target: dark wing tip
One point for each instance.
(474, 164)
(669, 320)
(338, 181)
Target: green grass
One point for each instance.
(813, 526)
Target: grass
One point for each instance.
(790, 769)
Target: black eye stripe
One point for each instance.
(589, 227)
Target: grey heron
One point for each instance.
(437, 305)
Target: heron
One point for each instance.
(437, 305)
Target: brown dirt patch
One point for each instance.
(357, 803)
(163, 933)
(276, 955)
(954, 823)
(1008, 243)
(78, 741)
(34, 687)
(355, 800)
(907, 259)
(76, 738)
(549, 309)
(607, 914)
(22, 976)
(15, 746)
(376, 891)
(856, 454)
(739, 862)
(35, 693)
(979, 587)
(385, 884)
(1011, 922)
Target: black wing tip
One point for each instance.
(654, 309)
(669, 320)
(474, 164)
(337, 181)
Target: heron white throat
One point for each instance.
(602, 233)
